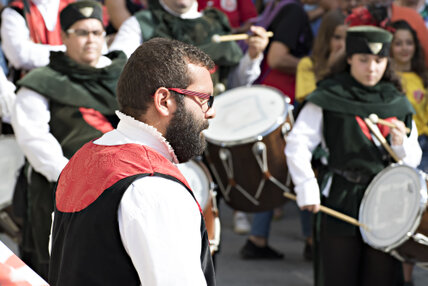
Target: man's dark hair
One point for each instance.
(156, 63)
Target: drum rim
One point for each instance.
(421, 208)
(198, 163)
(278, 122)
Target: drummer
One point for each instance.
(361, 83)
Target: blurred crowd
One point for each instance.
(59, 70)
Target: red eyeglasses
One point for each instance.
(210, 98)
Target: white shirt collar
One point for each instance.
(191, 14)
(49, 11)
(103, 61)
(141, 133)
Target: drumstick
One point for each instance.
(381, 139)
(234, 37)
(333, 213)
(375, 119)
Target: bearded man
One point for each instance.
(125, 215)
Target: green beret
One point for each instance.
(80, 10)
(367, 40)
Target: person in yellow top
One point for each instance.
(313, 68)
(408, 61)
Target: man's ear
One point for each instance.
(164, 102)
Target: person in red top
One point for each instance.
(30, 33)
(239, 12)
(386, 11)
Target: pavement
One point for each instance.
(286, 237)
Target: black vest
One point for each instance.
(86, 245)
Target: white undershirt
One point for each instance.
(17, 45)
(129, 38)
(159, 221)
(30, 120)
(307, 134)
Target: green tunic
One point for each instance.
(156, 22)
(68, 86)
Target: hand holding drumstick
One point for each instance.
(375, 119)
(234, 37)
(257, 41)
(398, 129)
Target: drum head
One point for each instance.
(392, 206)
(244, 114)
(198, 179)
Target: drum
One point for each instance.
(394, 211)
(245, 151)
(199, 179)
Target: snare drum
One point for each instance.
(394, 211)
(246, 145)
(199, 179)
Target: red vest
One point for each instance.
(38, 31)
(87, 248)
(107, 165)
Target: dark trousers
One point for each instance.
(37, 224)
(347, 260)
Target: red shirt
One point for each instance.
(238, 11)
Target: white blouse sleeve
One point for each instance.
(410, 152)
(159, 224)
(247, 71)
(17, 45)
(304, 137)
(7, 97)
(30, 121)
(128, 38)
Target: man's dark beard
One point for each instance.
(184, 134)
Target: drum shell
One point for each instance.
(248, 175)
(406, 188)
(192, 171)
(413, 251)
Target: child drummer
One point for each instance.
(360, 84)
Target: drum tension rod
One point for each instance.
(226, 158)
(259, 148)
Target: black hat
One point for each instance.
(79, 11)
(367, 40)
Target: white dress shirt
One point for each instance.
(307, 134)
(159, 221)
(30, 121)
(17, 45)
(129, 38)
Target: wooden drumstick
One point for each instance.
(234, 37)
(381, 139)
(375, 119)
(333, 213)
